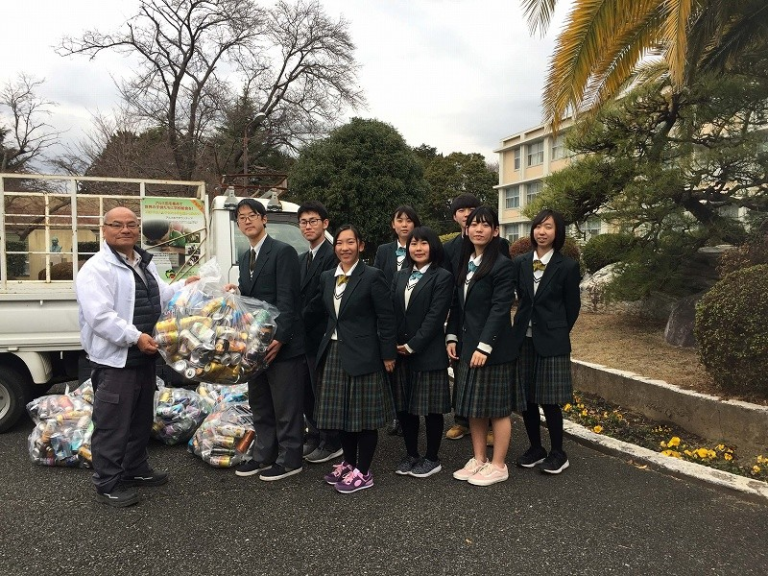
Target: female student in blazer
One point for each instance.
(391, 257)
(421, 295)
(479, 333)
(548, 290)
(358, 346)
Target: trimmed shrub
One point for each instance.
(446, 237)
(605, 249)
(87, 249)
(732, 331)
(523, 245)
(751, 253)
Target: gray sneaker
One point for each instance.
(319, 455)
(405, 465)
(424, 468)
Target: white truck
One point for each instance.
(49, 225)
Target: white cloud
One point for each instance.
(455, 74)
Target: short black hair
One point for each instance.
(253, 204)
(409, 212)
(465, 200)
(559, 228)
(313, 206)
(435, 246)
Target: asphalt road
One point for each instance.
(602, 516)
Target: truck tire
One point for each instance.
(12, 398)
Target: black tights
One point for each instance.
(554, 417)
(434, 427)
(359, 448)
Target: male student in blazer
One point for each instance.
(269, 271)
(319, 446)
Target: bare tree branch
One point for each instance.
(193, 55)
(24, 135)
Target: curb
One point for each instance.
(753, 489)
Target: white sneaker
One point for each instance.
(488, 475)
(469, 470)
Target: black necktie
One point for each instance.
(252, 262)
(309, 259)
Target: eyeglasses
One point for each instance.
(310, 222)
(248, 217)
(121, 225)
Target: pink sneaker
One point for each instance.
(488, 475)
(469, 470)
(338, 472)
(355, 481)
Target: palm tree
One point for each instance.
(604, 43)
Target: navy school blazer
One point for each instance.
(485, 314)
(365, 325)
(386, 260)
(275, 280)
(421, 326)
(314, 322)
(553, 310)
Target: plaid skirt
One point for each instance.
(546, 380)
(351, 403)
(487, 392)
(420, 393)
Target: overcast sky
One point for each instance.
(458, 75)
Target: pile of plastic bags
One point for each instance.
(178, 413)
(63, 428)
(225, 437)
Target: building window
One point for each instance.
(517, 230)
(535, 153)
(559, 150)
(729, 211)
(532, 189)
(517, 158)
(512, 198)
(592, 228)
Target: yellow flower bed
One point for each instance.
(614, 421)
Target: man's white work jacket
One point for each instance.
(106, 293)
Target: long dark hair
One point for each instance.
(435, 246)
(491, 252)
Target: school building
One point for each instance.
(525, 159)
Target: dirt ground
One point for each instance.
(637, 345)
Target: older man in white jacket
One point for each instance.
(120, 297)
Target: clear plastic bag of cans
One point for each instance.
(214, 395)
(62, 433)
(208, 335)
(58, 406)
(178, 413)
(225, 437)
(84, 391)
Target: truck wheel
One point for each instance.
(11, 398)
